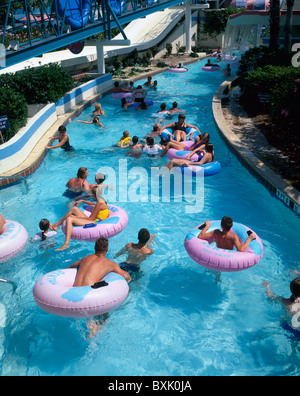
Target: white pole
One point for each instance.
(100, 57)
(188, 27)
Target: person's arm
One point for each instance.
(85, 202)
(121, 272)
(204, 234)
(242, 247)
(85, 122)
(124, 145)
(193, 126)
(123, 250)
(61, 143)
(274, 297)
(86, 186)
(75, 265)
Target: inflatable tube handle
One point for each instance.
(97, 285)
(90, 225)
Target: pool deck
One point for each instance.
(247, 150)
(244, 149)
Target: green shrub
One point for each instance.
(169, 48)
(13, 105)
(46, 84)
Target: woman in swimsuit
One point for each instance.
(207, 158)
(75, 217)
(79, 184)
(199, 144)
(179, 128)
(63, 138)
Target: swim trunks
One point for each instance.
(129, 267)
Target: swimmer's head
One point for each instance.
(205, 137)
(81, 172)
(149, 140)
(226, 223)
(174, 105)
(163, 141)
(143, 235)
(181, 117)
(97, 106)
(44, 224)
(163, 106)
(295, 288)
(116, 84)
(156, 127)
(179, 64)
(101, 245)
(135, 139)
(62, 129)
(125, 134)
(100, 177)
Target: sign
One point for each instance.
(4, 124)
(77, 47)
(264, 97)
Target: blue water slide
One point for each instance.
(76, 12)
(118, 6)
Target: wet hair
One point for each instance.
(125, 134)
(226, 223)
(44, 226)
(98, 106)
(295, 289)
(143, 105)
(163, 141)
(123, 102)
(174, 104)
(139, 87)
(81, 171)
(209, 147)
(143, 235)
(101, 245)
(163, 106)
(149, 140)
(181, 116)
(135, 139)
(116, 84)
(205, 136)
(156, 127)
(62, 129)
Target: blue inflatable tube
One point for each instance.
(75, 16)
(148, 102)
(200, 170)
(118, 6)
(167, 133)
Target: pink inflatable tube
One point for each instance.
(210, 68)
(177, 70)
(113, 225)
(182, 154)
(12, 240)
(121, 95)
(209, 256)
(55, 294)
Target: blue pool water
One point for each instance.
(177, 320)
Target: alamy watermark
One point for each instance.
(139, 184)
(296, 57)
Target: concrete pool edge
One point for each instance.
(274, 182)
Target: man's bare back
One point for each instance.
(225, 241)
(93, 268)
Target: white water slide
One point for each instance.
(143, 33)
(146, 32)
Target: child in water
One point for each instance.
(46, 232)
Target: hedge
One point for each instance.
(46, 84)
